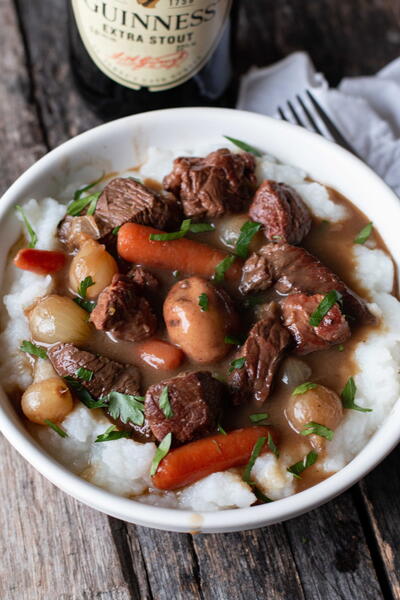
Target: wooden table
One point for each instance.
(52, 547)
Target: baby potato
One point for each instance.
(198, 316)
(228, 231)
(49, 399)
(320, 405)
(92, 261)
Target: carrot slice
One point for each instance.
(188, 256)
(218, 452)
(42, 262)
(160, 355)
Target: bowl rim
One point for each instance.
(383, 440)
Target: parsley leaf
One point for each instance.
(32, 234)
(164, 404)
(175, 235)
(258, 417)
(313, 428)
(272, 446)
(201, 227)
(364, 234)
(85, 374)
(300, 466)
(348, 394)
(324, 307)
(203, 302)
(247, 232)
(84, 396)
(77, 206)
(223, 267)
(252, 301)
(238, 363)
(79, 192)
(33, 349)
(84, 285)
(220, 429)
(87, 305)
(116, 229)
(92, 201)
(303, 388)
(244, 146)
(258, 446)
(125, 407)
(56, 428)
(230, 339)
(260, 496)
(161, 453)
(111, 434)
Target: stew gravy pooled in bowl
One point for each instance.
(202, 334)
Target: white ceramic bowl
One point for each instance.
(119, 145)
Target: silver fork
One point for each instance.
(304, 110)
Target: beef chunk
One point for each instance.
(297, 310)
(73, 231)
(208, 187)
(293, 269)
(196, 400)
(262, 351)
(143, 278)
(108, 376)
(122, 310)
(282, 212)
(125, 199)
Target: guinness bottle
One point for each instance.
(135, 55)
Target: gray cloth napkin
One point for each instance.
(365, 109)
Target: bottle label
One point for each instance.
(157, 44)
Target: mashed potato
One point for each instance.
(122, 466)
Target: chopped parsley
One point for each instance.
(324, 307)
(247, 232)
(85, 374)
(238, 363)
(84, 285)
(230, 339)
(165, 404)
(201, 227)
(220, 429)
(258, 446)
(175, 235)
(258, 417)
(260, 496)
(244, 146)
(223, 267)
(303, 388)
(77, 206)
(31, 232)
(86, 188)
(161, 453)
(84, 396)
(364, 234)
(272, 446)
(313, 428)
(111, 434)
(252, 301)
(348, 394)
(298, 468)
(340, 348)
(33, 349)
(56, 428)
(125, 407)
(87, 305)
(116, 229)
(203, 302)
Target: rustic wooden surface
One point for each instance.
(51, 547)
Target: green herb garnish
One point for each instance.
(254, 455)
(203, 302)
(238, 363)
(56, 428)
(175, 235)
(164, 404)
(230, 339)
(252, 301)
(116, 229)
(300, 466)
(85, 374)
(260, 496)
(201, 227)
(258, 417)
(84, 285)
(32, 234)
(272, 446)
(348, 394)
(244, 146)
(161, 453)
(247, 232)
(303, 388)
(111, 434)
(125, 407)
(87, 305)
(82, 190)
(33, 349)
(223, 267)
(324, 307)
(77, 206)
(340, 348)
(220, 429)
(313, 428)
(84, 396)
(364, 234)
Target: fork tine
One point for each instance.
(309, 115)
(331, 127)
(295, 115)
(282, 114)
